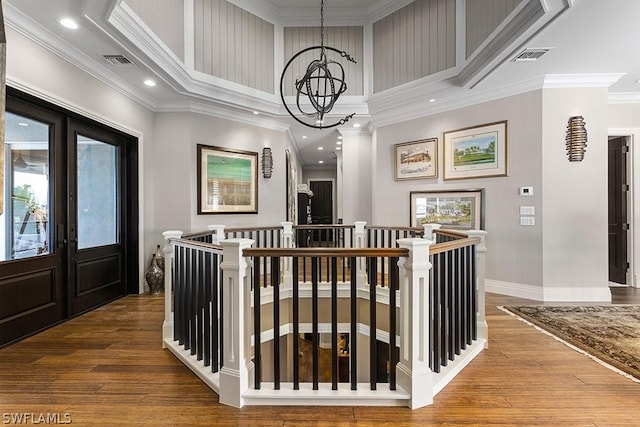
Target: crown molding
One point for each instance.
(222, 112)
(624, 98)
(419, 106)
(25, 26)
(555, 81)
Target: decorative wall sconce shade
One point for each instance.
(267, 162)
(576, 139)
(321, 85)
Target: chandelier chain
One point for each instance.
(322, 23)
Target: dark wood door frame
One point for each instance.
(14, 326)
(618, 228)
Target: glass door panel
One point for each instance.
(25, 224)
(97, 197)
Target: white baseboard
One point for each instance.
(514, 289)
(549, 293)
(582, 294)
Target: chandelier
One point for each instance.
(321, 85)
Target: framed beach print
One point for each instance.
(416, 159)
(476, 152)
(227, 180)
(453, 209)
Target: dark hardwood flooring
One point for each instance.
(107, 368)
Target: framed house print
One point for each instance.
(416, 159)
(227, 180)
(476, 152)
(453, 209)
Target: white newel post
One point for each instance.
(360, 243)
(217, 233)
(167, 326)
(429, 231)
(481, 271)
(236, 311)
(413, 372)
(287, 262)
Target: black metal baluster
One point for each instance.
(206, 284)
(200, 306)
(334, 323)
(353, 348)
(394, 274)
(474, 299)
(314, 318)
(275, 284)
(177, 294)
(296, 326)
(257, 342)
(373, 359)
(435, 307)
(457, 305)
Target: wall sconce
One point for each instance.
(267, 162)
(576, 138)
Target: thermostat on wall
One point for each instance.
(526, 191)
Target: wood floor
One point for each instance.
(107, 367)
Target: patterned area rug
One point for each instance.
(610, 334)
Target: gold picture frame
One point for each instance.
(476, 152)
(416, 159)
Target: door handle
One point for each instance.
(60, 235)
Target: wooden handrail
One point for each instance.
(393, 228)
(321, 226)
(195, 244)
(326, 252)
(453, 244)
(247, 229)
(451, 233)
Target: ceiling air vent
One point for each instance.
(117, 60)
(530, 54)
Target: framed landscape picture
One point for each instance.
(453, 209)
(476, 152)
(227, 181)
(416, 159)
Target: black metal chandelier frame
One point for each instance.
(319, 85)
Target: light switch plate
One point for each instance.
(526, 191)
(527, 210)
(527, 220)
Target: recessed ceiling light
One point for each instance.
(432, 100)
(69, 23)
(320, 148)
(304, 136)
(339, 142)
(321, 161)
(23, 124)
(638, 81)
(339, 136)
(338, 148)
(356, 125)
(150, 83)
(256, 112)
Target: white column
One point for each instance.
(481, 271)
(287, 262)
(217, 233)
(236, 310)
(361, 263)
(413, 372)
(429, 231)
(167, 326)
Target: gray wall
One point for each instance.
(514, 251)
(348, 39)
(414, 42)
(484, 16)
(233, 44)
